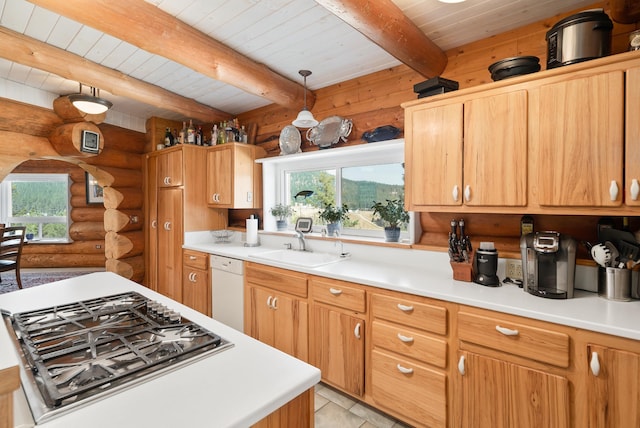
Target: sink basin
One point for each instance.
(298, 258)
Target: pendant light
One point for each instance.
(305, 118)
(90, 104)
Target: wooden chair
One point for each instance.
(11, 242)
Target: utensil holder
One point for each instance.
(462, 271)
(614, 284)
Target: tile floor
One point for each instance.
(336, 410)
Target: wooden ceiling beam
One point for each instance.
(33, 53)
(153, 30)
(382, 22)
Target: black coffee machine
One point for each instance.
(485, 265)
(548, 264)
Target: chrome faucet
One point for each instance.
(301, 243)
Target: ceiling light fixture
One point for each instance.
(451, 1)
(305, 118)
(90, 104)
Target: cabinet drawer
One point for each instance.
(410, 343)
(546, 346)
(195, 259)
(409, 389)
(277, 279)
(410, 312)
(338, 293)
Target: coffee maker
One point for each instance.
(548, 264)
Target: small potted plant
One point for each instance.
(282, 213)
(333, 216)
(393, 214)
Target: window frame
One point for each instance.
(274, 170)
(6, 203)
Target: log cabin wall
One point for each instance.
(122, 158)
(374, 100)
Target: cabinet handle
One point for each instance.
(595, 364)
(461, 365)
(613, 190)
(195, 276)
(405, 308)
(404, 370)
(192, 257)
(269, 302)
(167, 180)
(167, 225)
(635, 189)
(335, 291)
(507, 331)
(467, 193)
(455, 193)
(356, 331)
(274, 303)
(405, 339)
(154, 224)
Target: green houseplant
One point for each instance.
(282, 213)
(333, 216)
(393, 214)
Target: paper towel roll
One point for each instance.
(252, 231)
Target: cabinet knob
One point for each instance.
(404, 370)
(154, 224)
(507, 331)
(274, 303)
(356, 331)
(455, 193)
(613, 190)
(167, 225)
(269, 302)
(461, 365)
(467, 193)
(405, 339)
(167, 180)
(595, 364)
(635, 189)
(335, 291)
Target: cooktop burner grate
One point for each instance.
(80, 350)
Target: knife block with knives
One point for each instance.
(460, 252)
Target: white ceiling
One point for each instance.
(286, 35)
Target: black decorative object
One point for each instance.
(381, 133)
(434, 86)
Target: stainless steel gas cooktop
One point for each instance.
(75, 353)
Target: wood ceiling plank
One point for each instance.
(385, 24)
(33, 53)
(156, 31)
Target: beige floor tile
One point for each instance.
(333, 416)
(376, 418)
(336, 397)
(319, 401)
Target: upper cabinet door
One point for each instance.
(578, 151)
(170, 169)
(632, 139)
(433, 156)
(495, 150)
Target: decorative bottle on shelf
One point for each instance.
(214, 134)
(243, 135)
(182, 137)
(222, 134)
(191, 133)
(200, 136)
(168, 137)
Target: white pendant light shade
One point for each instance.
(305, 118)
(90, 104)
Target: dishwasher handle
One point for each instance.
(227, 264)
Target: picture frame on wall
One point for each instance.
(95, 193)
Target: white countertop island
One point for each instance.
(236, 387)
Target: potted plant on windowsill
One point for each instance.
(282, 213)
(393, 214)
(333, 216)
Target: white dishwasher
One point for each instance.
(227, 291)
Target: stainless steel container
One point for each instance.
(580, 37)
(614, 283)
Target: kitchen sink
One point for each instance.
(298, 258)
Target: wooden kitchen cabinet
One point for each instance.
(196, 286)
(408, 354)
(613, 387)
(234, 179)
(470, 152)
(578, 141)
(505, 374)
(632, 138)
(172, 210)
(337, 345)
(276, 308)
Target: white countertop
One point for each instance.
(428, 273)
(234, 388)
